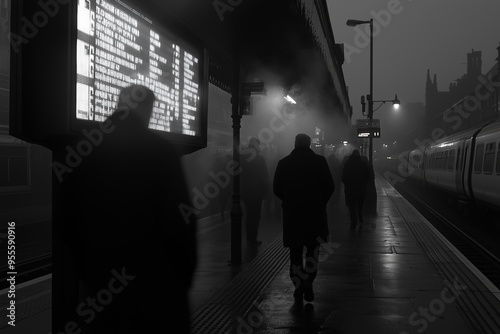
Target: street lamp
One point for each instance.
(353, 23)
(371, 192)
(395, 102)
(289, 99)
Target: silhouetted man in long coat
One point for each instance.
(355, 175)
(304, 184)
(138, 249)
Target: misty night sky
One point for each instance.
(425, 34)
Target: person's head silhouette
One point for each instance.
(254, 143)
(302, 141)
(135, 102)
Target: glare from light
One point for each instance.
(395, 102)
(289, 99)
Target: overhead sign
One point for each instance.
(118, 46)
(368, 128)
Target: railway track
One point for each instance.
(485, 261)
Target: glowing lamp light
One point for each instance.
(289, 99)
(396, 102)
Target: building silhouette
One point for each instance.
(469, 102)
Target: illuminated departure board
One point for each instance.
(118, 46)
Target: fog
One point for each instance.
(273, 119)
(276, 122)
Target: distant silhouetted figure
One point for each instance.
(254, 187)
(226, 190)
(370, 204)
(304, 184)
(139, 250)
(355, 176)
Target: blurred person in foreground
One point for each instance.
(138, 250)
(304, 184)
(254, 188)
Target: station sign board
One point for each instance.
(368, 128)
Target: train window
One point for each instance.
(489, 158)
(457, 165)
(444, 163)
(478, 160)
(451, 160)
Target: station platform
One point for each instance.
(392, 274)
(395, 273)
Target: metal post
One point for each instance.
(372, 192)
(236, 211)
(370, 100)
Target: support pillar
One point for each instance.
(236, 210)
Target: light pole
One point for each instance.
(371, 191)
(353, 23)
(373, 128)
(396, 102)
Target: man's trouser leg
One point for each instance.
(303, 276)
(311, 266)
(297, 274)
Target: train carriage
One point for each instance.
(465, 165)
(485, 170)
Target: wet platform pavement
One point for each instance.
(392, 274)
